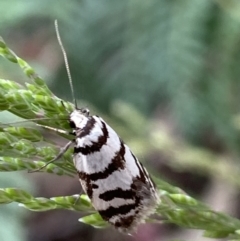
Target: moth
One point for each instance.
(118, 185)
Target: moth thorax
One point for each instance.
(78, 118)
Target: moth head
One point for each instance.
(78, 118)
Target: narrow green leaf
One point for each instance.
(18, 195)
(25, 133)
(94, 220)
(76, 202)
(8, 54)
(2, 43)
(4, 197)
(216, 234)
(39, 204)
(10, 164)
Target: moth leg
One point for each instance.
(60, 154)
(54, 129)
(78, 197)
(58, 130)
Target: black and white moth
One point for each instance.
(118, 185)
(116, 182)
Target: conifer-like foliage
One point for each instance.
(25, 148)
(178, 58)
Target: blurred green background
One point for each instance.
(164, 73)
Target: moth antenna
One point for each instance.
(66, 62)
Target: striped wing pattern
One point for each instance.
(116, 182)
